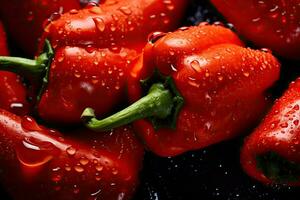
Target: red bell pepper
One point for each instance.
(116, 23)
(12, 91)
(208, 88)
(274, 24)
(272, 153)
(92, 71)
(24, 19)
(37, 163)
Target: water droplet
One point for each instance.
(184, 28)
(284, 125)
(153, 37)
(218, 23)
(84, 161)
(60, 58)
(32, 152)
(71, 151)
(29, 124)
(266, 50)
(96, 193)
(98, 177)
(100, 24)
(78, 168)
(73, 11)
(77, 74)
(99, 167)
(18, 108)
(115, 171)
(173, 68)
(90, 49)
(68, 168)
(196, 66)
(96, 10)
(76, 190)
(126, 10)
(56, 177)
(172, 53)
(246, 74)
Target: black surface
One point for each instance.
(213, 173)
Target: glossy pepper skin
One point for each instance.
(221, 88)
(116, 23)
(272, 153)
(90, 66)
(12, 91)
(272, 24)
(38, 163)
(24, 19)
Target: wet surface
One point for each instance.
(215, 172)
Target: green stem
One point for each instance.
(158, 103)
(31, 69)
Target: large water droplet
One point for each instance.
(35, 153)
(29, 124)
(100, 24)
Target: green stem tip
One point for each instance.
(30, 69)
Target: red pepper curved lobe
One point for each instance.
(81, 77)
(277, 142)
(38, 163)
(268, 23)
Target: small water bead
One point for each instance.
(266, 50)
(60, 58)
(17, 107)
(155, 36)
(98, 177)
(246, 74)
(56, 177)
(84, 161)
(78, 168)
(218, 24)
(126, 10)
(71, 151)
(68, 168)
(284, 125)
(73, 11)
(115, 171)
(96, 10)
(96, 193)
(184, 28)
(55, 16)
(76, 189)
(99, 167)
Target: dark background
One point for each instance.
(215, 172)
